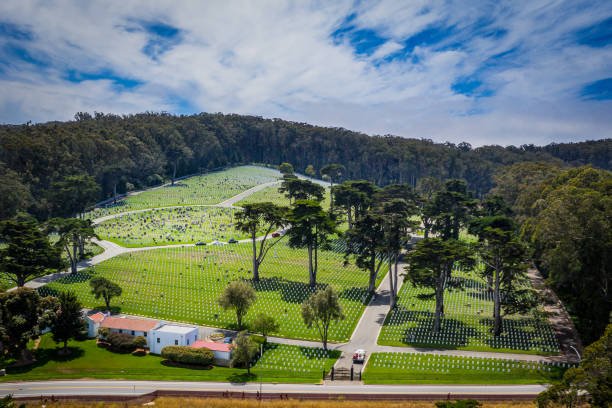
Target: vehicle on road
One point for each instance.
(200, 243)
(275, 234)
(359, 356)
(228, 340)
(232, 241)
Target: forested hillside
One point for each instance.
(135, 151)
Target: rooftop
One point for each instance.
(125, 323)
(211, 345)
(97, 317)
(167, 328)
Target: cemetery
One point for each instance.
(419, 368)
(182, 284)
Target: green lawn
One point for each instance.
(211, 188)
(272, 194)
(184, 283)
(408, 368)
(467, 321)
(89, 361)
(171, 226)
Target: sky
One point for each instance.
(485, 72)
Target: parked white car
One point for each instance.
(359, 356)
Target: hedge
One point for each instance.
(188, 355)
(121, 341)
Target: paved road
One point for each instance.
(135, 388)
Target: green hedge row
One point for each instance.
(188, 355)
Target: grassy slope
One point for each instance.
(89, 361)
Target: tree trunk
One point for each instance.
(255, 263)
(490, 283)
(331, 196)
(372, 282)
(350, 216)
(73, 260)
(497, 325)
(391, 297)
(107, 301)
(313, 280)
(439, 305)
(239, 318)
(174, 172)
(81, 248)
(115, 193)
(65, 346)
(20, 281)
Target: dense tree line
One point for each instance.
(104, 154)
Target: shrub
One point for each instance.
(121, 341)
(257, 339)
(103, 332)
(188, 355)
(140, 342)
(466, 403)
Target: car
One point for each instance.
(232, 241)
(200, 243)
(275, 234)
(228, 340)
(359, 356)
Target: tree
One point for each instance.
(320, 310)
(68, 321)
(367, 242)
(7, 402)
(504, 257)
(298, 189)
(27, 252)
(310, 226)
(73, 234)
(73, 194)
(355, 197)
(396, 225)
(333, 173)
(176, 150)
(431, 263)
(593, 377)
(451, 209)
(238, 295)
(310, 171)
(251, 219)
(21, 317)
(427, 187)
(570, 232)
(286, 169)
(264, 324)
(15, 194)
(244, 351)
(105, 289)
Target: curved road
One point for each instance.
(137, 388)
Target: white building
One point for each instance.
(93, 323)
(168, 335)
(135, 327)
(222, 351)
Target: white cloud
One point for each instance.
(277, 59)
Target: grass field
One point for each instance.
(211, 188)
(183, 284)
(90, 361)
(194, 402)
(409, 368)
(171, 226)
(272, 194)
(467, 321)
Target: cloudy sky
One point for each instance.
(486, 72)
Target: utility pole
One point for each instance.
(260, 370)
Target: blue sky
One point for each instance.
(485, 72)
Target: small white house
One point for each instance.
(93, 323)
(168, 335)
(135, 327)
(222, 351)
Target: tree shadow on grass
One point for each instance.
(290, 291)
(358, 294)
(241, 378)
(46, 355)
(422, 333)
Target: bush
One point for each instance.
(257, 339)
(140, 342)
(103, 332)
(188, 355)
(466, 403)
(121, 341)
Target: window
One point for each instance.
(120, 331)
(158, 340)
(176, 342)
(133, 332)
(145, 334)
(187, 341)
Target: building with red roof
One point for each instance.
(222, 351)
